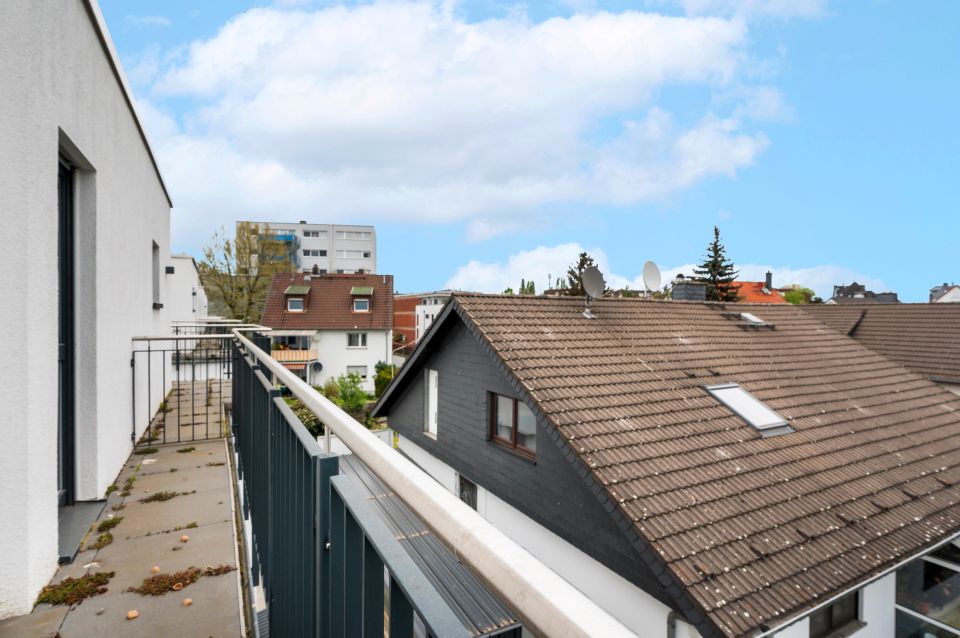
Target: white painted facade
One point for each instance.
(64, 95)
(428, 310)
(186, 296)
(332, 248)
(338, 358)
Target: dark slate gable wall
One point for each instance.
(549, 490)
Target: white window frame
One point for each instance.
(431, 396)
(354, 370)
(303, 305)
(749, 408)
(361, 340)
(364, 301)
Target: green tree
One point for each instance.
(574, 286)
(507, 291)
(718, 272)
(236, 274)
(797, 294)
(527, 287)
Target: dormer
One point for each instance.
(296, 296)
(361, 296)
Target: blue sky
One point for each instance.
(490, 141)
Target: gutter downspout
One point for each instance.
(672, 619)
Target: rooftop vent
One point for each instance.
(750, 409)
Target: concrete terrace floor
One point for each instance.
(144, 538)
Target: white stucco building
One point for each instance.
(327, 248)
(326, 326)
(80, 188)
(427, 310)
(187, 297)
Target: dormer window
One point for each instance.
(361, 305)
(294, 304)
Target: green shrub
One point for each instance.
(385, 374)
(331, 390)
(352, 396)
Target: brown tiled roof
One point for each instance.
(329, 305)
(744, 532)
(922, 337)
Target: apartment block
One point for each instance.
(327, 248)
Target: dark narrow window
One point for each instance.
(156, 277)
(512, 424)
(840, 613)
(468, 492)
(67, 318)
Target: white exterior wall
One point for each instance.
(877, 600)
(333, 353)
(635, 608)
(427, 311)
(62, 94)
(185, 297)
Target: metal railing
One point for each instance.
(320, 553)
(178, 384)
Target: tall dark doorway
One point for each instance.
(67, 314)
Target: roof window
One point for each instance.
(752, 319)
(750, 409)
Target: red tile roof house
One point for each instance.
(331, 324)
(691, 467)
(759, 291)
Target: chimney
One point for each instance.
(303, 221)
(769, 283)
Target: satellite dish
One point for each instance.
(651, 276)
(593, 286)
(593, 283)
(317, 366)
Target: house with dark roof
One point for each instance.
(324, 326)
(699, 468)
(922, 337)
(858, 294)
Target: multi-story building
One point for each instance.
(325, 326)
(327, 248)
(413, 314)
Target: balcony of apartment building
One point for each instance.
(229, 518)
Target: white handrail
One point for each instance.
(546, 603)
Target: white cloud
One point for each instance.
(404, 111)
(147, 21)
(542, 261)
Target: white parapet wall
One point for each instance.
(64, 96)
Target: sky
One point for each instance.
(492, 141)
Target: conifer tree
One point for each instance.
(718, 272)
(574, 287)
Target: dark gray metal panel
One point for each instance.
(547, 489)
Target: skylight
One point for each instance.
(752, 318)
(750, 409)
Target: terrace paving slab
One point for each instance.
(42, 623)
(208, 506)
(145, 537)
